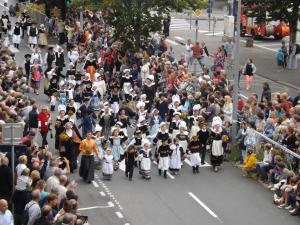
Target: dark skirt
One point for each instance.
(35, 84)
(87, 167)
(216, 160)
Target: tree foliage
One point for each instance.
(286, 10)
(132, 19)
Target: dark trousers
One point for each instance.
(129, 169)
(44, 138)
(203, 154)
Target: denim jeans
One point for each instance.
(262, 169)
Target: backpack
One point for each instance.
(297, 49)
(25, 215)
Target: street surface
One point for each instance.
(207, 198)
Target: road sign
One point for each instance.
(12, 133)
(198, 12)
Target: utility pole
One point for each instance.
(209, 10)
(81, 18)
(236, 73)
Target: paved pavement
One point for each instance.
(207, 198)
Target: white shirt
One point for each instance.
(52, 183)
(6, 218)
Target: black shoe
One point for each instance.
(130, 179)
(159, 172)
(203, 163)
(194, 169)
(126, 174)
(197, 169)
(165, 174)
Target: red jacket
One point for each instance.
(43, 119)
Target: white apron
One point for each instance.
(175, 159)
(107, 167)
(163, 163)
(115, 107)
(145, 163)
(217, 148)
(195, 159)
(16, 39)
(184, 145)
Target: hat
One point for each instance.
(150, 77)
(182, 124)
(119, 123)
(196, 107)
(137, 132)
(126, 70)
(31, 133)
(176, 113)
(216, 121)
(61, 108)
(145, 141)
(72, 120)
(98, 128)
(162, 124)
(27, 56)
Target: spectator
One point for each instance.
(266, 94)
(53, 181)
(33, 122)
(43, 220)
(249, 163)
(6, 182)
(34, 211)
(263, 167)
(6, 217)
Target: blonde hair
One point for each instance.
(22, 159)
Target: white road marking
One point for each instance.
(216, 34)
(187, 161)
(168, 174)
(172, 42)
(179, 38)
(267, 45)
(95, 184)
(110, 204)
(122, 165)
(203, 31)
(102, 193)
(262, 47)
(204, 206)
(126, 224)
(120, 215)
(95, 207)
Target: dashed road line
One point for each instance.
(102, 193)
(204, 206)
(95, 184)
(120, 215)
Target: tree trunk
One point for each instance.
(293, 23)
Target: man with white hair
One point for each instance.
(6, 217)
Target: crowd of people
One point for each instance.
(140, 106)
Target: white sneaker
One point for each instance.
(292, 211)
(272, 189)
(276, 196)
(281, 206)
(270, 186)
(289, 207)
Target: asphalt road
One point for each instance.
(207, 198)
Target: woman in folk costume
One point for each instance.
(108, 165)
(183, 137)
(194, 149)
(155, 121)
(90, 66)
(100, 85)
(162, 134)
(100, 141)
(176, 155)
(218, 137)
(114, 100)
(194, 120)
(145, 159)
(32, 34)
(42, 36)
(149, 90)
(106, 121)
(67, 145)
(174, 106)
(143, 102)
(175, 123)
(127, 84)
(164, 152)
(17, 33)
(116, 140)
(143, 126)
(88, 148)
